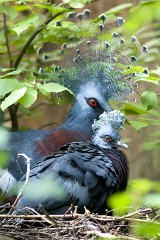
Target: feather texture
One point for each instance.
(87, 173)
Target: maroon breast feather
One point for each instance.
(56, 139)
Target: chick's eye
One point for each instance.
(107, 139)
(93, 102)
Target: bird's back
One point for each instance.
(84, 172)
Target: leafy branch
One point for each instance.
(32, 37)
(13, 108)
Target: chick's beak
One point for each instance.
(121, 144)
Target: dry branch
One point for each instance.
(23, 187)
(75, 226)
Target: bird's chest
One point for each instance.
(56, 139)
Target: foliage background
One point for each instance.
(26, 25)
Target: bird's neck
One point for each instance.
(77, 128)
(79, 120)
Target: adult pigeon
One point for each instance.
(86, 173)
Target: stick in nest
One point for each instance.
(23, 186)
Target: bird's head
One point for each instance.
(97, 66)
(92, 100)
(93, 85)
(106, 130)
(108, 138)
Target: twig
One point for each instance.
(43, 217)
(137, 92)
(13, 113)
(31, 216)
(6, 205)
(7, 41)
(76, 228)
(24, 185)
(31, 109)
(49, 124)
(24, 49)
(66, 216)
(127, 217)
(47, 217)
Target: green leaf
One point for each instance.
(4, 155)
(25, 23)
(134, 109)
(141, 186)
(4, 138)
(51, 87)
(7, 85)
(154, 80)
(11, 73)
(149, 99)
(41, 189)
(4, 158)
(4, 1)
(9, 11)
(151, 145)
(157, 71)
(119, 8)
(154, 113)
(138, 124)
(120, 202)
(29, 97)
(150, 120)
(52, 8)
(13, 97)
(20, 8)
(145, 230)
(77, 4)
(152, 200)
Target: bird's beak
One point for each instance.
(121, 144)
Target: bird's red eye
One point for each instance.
(93, 102)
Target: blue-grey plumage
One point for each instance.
(101, 70)
(89, 103)
(88, 173)
(109, 123)
(109, 141)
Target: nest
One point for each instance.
(73, 226)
